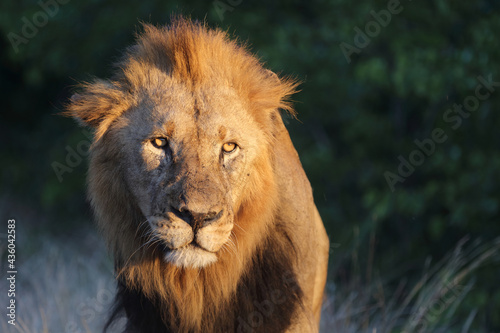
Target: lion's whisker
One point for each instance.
(140, 226)
(236, 224)
(153, 242)
(230, 247)
(234, 240)
(233, 244)
(150, 233)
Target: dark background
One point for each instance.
(357, 116)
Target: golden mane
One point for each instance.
(212, 298)
(198, 299)
(194, 55)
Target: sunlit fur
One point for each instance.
(263, 247)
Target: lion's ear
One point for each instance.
(79, 116)
(273, 76)
(278, 90)
(97, 102)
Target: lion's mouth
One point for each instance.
(190, 256)
(189, 246)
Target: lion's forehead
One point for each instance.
(170, 97)
(215, 112)
(207, 107)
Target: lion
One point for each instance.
(198, 189)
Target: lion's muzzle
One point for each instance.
(197, 220)
(191, 238)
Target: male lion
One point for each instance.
(199, 191)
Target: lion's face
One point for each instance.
(187, 156)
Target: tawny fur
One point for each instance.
(278, 243)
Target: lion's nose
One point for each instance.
(195, 218)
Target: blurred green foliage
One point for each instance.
(356, 117)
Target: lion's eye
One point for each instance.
(159, 142)
(229, 147)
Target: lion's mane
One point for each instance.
(157, 296)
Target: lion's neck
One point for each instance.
(214, 300)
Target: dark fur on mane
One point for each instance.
(266, 299)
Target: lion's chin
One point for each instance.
(190, 256)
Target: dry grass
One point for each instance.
(64, 286)
(428, 306)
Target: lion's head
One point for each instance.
(189, 168)
(188, 115)
(189, 156)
